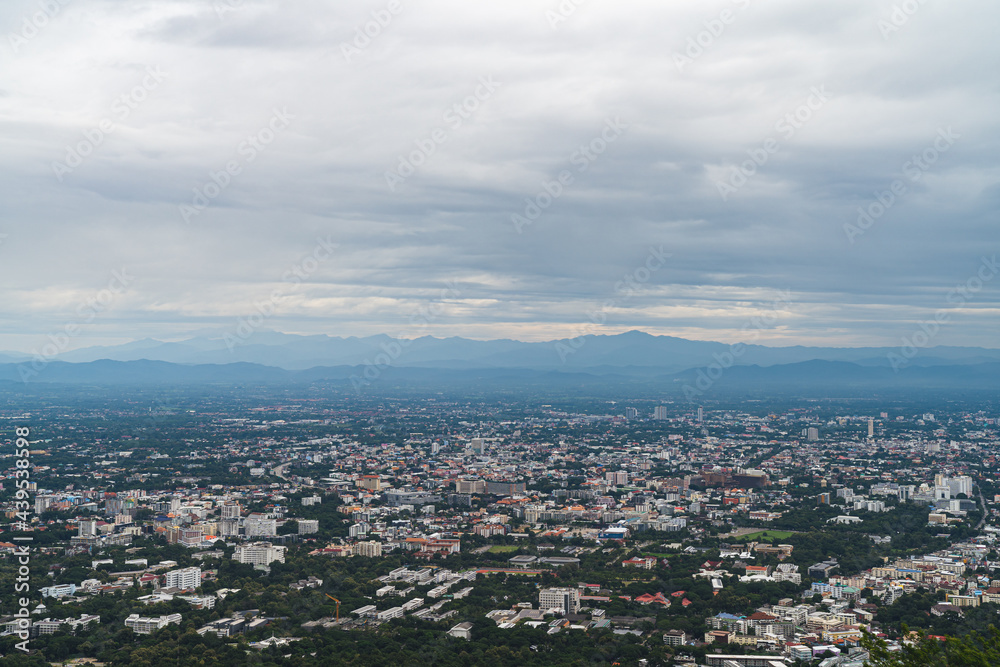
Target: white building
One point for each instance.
(565, 599)
(307, 526)
(957, 485)
(389, 614)
(370, 549)
(144, 626)
(231, 511)
(260, 527)
(461, 631)
(229, 527)
(262, 553)
(58, 591)
(187, 579)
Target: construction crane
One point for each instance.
(338, 605)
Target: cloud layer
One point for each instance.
(511, 164)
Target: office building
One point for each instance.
(566, 600)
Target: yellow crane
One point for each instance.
(338, 605)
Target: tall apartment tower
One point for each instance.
(660, 412)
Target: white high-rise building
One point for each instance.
(959, 485)
(565, 599)
(187, 579)
(231, 511)
(229, 527)
(660, 412)
(42, 503)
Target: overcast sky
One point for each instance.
(358, 193)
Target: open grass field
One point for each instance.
(767, 536)
(500, 549)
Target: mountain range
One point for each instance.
(593, 360)
(635, 351)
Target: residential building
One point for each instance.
(260, 553)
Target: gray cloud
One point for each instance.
(229, 65)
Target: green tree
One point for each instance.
(971, 650)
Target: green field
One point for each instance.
(500, 549)
(766, 536)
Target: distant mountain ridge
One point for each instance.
(601, 354)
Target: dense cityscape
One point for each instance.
(305, 525)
